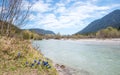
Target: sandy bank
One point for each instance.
(95, 40)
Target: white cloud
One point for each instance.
(60, 16)
(40, 7)
(61, 9)
(72, 16)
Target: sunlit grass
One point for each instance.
(18, 57)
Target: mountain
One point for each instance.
(42, 31)
(112, 19)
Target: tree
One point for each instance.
(13, 12)
(58, 36)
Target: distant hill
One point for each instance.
(13, 29)
(42, 31)
(110, 20)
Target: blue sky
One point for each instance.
(68, 16)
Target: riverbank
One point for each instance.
(65, 70)
(62, 69)
(18, 57)
(107, 40)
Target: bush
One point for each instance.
(26, 34)
(108, 33)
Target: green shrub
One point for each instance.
(109, 32)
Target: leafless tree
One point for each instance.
(13, 12)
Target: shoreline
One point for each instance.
(96, 40)
(62, 69)
(90, 39)
(65, 70)
(112, 41)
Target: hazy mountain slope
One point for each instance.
(42, 31)
(112, 19)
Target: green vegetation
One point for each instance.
(16, 32)
(17, 57)
(26, 34)
(108, 33)
(58, 36)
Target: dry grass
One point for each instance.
(12, 64)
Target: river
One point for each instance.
(92, 56)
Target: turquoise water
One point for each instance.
(95, 58)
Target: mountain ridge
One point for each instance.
(41, 31)
(110, 20)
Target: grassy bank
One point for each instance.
(18, 57)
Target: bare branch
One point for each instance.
(12, 12)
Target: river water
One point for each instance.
(86, 57)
